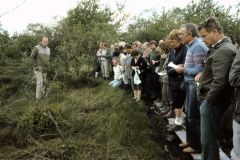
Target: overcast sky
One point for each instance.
(15, 15)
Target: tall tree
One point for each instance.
(158, 26)
(81, 31)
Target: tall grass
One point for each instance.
(97, 123)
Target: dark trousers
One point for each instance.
(152, 87)
(192, 116)
(98, 67)
(210, 121)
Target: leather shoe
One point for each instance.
(183, 145)
(191, 150)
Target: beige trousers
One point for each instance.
(41, 83)
(105, 65)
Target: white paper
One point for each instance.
(162, 73)
(171, 64)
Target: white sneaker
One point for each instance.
(178, 121)
(96, 74)
(138, 99)
(156, 101)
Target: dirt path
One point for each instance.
(159, 134)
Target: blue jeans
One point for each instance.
(115, 83)
(192, 116)
(235, 153)
(210, 121)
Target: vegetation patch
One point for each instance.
(92, 123)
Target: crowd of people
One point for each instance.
(194, 69)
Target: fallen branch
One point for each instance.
(32, 154)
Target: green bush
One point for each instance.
(37, 122)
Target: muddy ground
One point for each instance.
(160, 134)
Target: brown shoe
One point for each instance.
(183, 145)
(191, 150)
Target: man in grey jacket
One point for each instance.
(104, 55)
(40, 60)
(234, 79)
(214, 86)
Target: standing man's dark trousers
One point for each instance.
(192, 116)
(210, 121)
(156, 86)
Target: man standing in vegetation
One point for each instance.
(40, 60)
(214, 86)
(104, 56)
(234, 79)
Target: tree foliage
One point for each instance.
(158, 26)
(74, 39)
(121, 131)
(80, 33)
(4, 43)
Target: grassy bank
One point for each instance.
(95, 122)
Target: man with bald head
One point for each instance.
(40, 60)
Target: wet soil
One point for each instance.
(171, 148)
